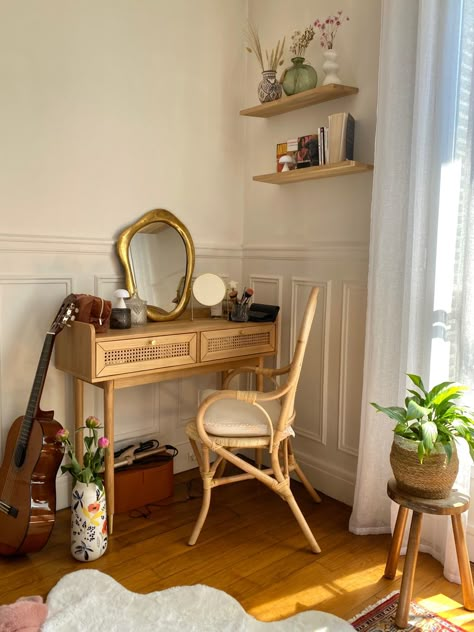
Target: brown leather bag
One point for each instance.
(94, 310)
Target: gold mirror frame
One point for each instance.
(123, 249)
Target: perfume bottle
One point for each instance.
(138, 309)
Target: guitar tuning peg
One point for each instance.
(77, 310)
(73, 318)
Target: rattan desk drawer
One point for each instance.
(232, 343)
(141, 354)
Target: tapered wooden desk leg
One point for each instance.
(406, 590)
(109, 454)
(463, 561)
(79, 417)
(396, 545)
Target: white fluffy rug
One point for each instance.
(91, 600)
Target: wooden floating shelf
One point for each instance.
(345, 168)
(300, 100)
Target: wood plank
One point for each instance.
(300, 100)
(250, 546)
(345, 168)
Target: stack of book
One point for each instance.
(330, 144)
(341, 137)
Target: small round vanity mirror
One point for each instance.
(209, 289)
(157, 254)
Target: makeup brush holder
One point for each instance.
(240, 312)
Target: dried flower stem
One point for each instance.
(273, 60)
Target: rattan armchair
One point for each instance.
(230, 420)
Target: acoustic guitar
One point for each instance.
(31, 461)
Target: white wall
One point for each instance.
(317, 233)
(111, 108)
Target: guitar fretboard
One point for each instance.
(33, 402)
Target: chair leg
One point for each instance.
(396, 544)
(197, 453)
(302, 522)
(206, 495)
(463, 561)
(302, 476)
(408, 577)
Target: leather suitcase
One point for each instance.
(140, 484)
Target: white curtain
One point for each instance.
(419, 47)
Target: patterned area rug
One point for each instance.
(381, 616)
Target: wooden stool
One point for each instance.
(453, 506)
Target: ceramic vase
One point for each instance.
(330, 67)
(88, 522)
(269, 88)
(299, 77)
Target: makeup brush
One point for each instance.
(247, 295)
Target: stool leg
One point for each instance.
(406, 590)
(463, 561)
(396, 545)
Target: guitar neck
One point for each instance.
(37, 389)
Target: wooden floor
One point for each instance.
(251, 547)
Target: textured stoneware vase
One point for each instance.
(434, 478)
(299, 77)
(269, 89)
(330, 67)
(88, 522)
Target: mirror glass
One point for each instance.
(157, 253)
(209, 289)
(157, 257)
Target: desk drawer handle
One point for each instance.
(153, 342)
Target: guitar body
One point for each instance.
(30, 488)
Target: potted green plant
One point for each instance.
(423, 456)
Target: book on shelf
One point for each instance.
(323, 145)
(307, 155)
(292, 150)
(281, 150)
(341, 137)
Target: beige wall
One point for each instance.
(113, 107)
(317, 233)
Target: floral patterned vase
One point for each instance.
(269, 89)
(299, 77)
(88, 522)
(330, 67)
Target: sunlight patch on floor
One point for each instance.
(449, 609)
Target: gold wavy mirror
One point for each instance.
(157, 253)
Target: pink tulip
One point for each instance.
(62, 434)
(103, 442)
(92, 422)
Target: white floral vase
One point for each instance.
(88, 522)
(330, 67)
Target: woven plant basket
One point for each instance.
(434, 478)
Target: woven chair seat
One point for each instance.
(236, 418)
(229, 442)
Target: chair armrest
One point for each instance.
(269, 373)
(253, 398)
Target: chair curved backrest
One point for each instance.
(288, 400)
(228, 432)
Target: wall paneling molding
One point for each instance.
(316, 365)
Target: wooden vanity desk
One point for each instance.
(155, 352)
